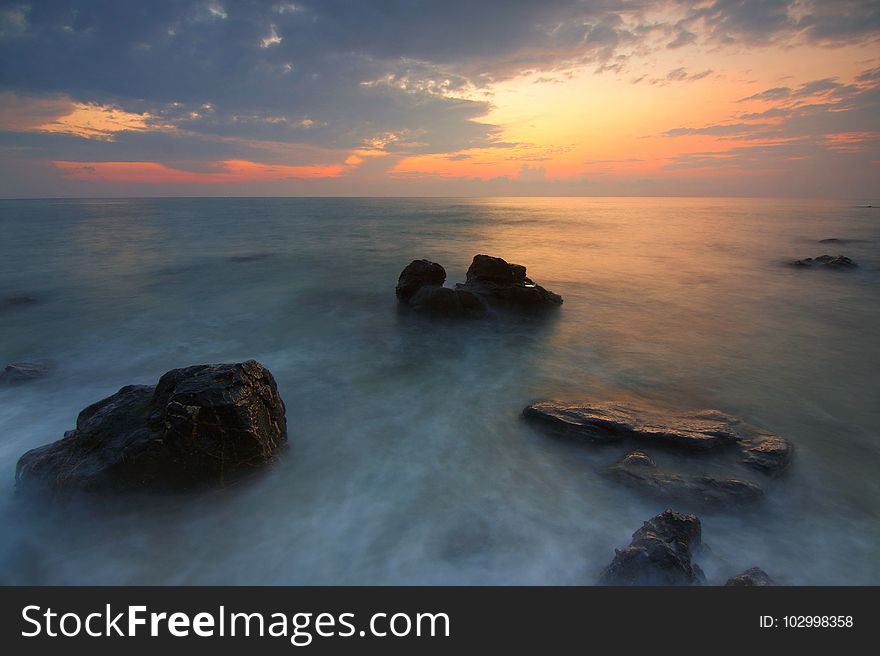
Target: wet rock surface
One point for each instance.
(703, 430)
(826, 262)
(660, 553)
(491, 282)
(752, 577)
(23, 372)
(206, 424)
(418, 274)
(506, 284)
(638, 470)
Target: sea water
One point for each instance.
(409, 462)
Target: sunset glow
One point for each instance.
(583, 101)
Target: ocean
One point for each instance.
(409, 462)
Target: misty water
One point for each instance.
(408, 461)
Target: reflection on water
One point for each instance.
(409, 463)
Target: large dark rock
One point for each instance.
(23, 372)
(638, 470)
(696, 431)
(661, 553)
(416, 275)
(506, 284)
(205, 424)
(754, 576)
(826, 262)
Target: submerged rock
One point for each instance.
(638, 470)
(827, 262)
(19, 300)
(198, 425)
(23, 372)
(490, 281)
(695, 431)
(506, 284)
(660, 553)
(754, 576)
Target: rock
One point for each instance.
(506, 284)
(754, 576)
(612, 422)
(416, 275)
(198, 425)
(695, 431)
(660, 553)
(444, 301)
(767, 452)
(638, 470)
(827, 262)
(23, 372)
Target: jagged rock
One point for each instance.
(660, 553)
(638, 470)
(826, 262)
(198, 425)
(23, 372)
(754, 576)
(696, 431)
(506, 284)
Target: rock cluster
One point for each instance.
(490, 282)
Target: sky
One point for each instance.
(440, 98)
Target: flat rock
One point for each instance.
(199, 425)
(23, 372)
(754, 576)
(702, 430)
(613, 422)
(638, 470)
(826, 262)
(660, 553)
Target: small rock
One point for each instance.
(827, 262)
(638, 470)
(23, 372)
(754, 576)
(660, 553)
(767, 453)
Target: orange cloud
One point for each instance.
(232, 170)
